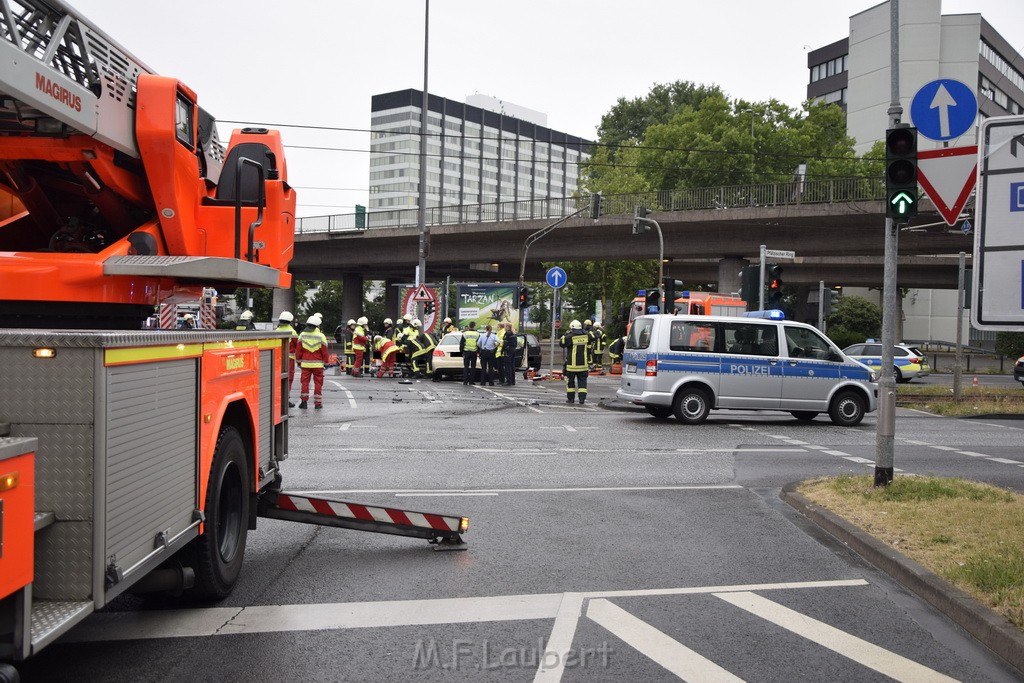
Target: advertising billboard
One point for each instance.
(485, 304)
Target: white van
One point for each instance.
(685, 365)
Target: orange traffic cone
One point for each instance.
(975, 382)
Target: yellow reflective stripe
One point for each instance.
(143, 354)
(311, 364)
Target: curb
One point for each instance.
(986, 626)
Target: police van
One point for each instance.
(685, 365)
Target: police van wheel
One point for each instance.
(847, 409)
(805, 415)
(660, 412)
(219, 551)
(691, 406)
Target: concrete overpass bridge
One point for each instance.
(835, 227)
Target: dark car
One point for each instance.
(1018, 370)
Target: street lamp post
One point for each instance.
(421, 218)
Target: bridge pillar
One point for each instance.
(391, 301)
(283, 300)
(729, 278)
(351, 297)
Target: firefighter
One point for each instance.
(447, 326)
(577, 365)
(469, 348)
(600, 342)
(345, 339)
(388, 351)
(616, 348)
(389, 329)
(419, 349)
(188, 322)
(284, 324)
(359, 347)
(245, 321)
(311, 354)
(508, 354)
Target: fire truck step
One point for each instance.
(43, 520)
(444, 531)
(51, 618)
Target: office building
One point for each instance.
(481, 155)
(854, 73)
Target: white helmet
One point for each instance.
(407, 317)
(286, 317)
(388, 321)
(588, 322)
(246, 315)
(417, 323)
(351, 322)
(363, 321)
(448, 320)
(575, 325)
(316, 319)
(377, 339)
(189, 316)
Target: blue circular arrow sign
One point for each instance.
(944, 109)
(556, 277)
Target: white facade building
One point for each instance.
(481, 154)
(855, 73)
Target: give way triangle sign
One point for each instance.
(948, 176)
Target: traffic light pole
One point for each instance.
(885, 430)
(760, 281)
(528, 242)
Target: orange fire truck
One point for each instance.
(696, 303)
(134, 459)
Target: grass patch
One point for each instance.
(976, 400)
(969, 533)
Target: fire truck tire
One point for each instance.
(8, 674)
(221, 548)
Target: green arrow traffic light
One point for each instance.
(903, 203)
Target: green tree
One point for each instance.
(1010, 344)
(853, 320)
(326, 300)
(630, 119)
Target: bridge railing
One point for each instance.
(828, 191)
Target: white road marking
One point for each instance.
(212, 621)
(973, 454)
(429, 495)
(348, 394)
(945, 448)
(838, 453)
(442, 492)
(649, 641)
(560, 640)
(861, 651)
(1006, 461)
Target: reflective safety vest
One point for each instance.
(424, 343)
(291, 344)
(387, 349)
(312, 349)
(498, 350)
(599, 341)
(470, 338)
(577, 358)
(359, 338)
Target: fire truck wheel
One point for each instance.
(219, 551)
(8, 674)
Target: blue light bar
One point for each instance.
(770, 314)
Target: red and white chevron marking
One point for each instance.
(336, 508)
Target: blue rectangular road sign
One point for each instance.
(1016, 196)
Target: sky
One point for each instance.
(319, 62)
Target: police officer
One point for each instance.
(284, 324)
(469, 347)
(577, 364)
(508, 354)
(245, 321)
(488, 345)
(311, 354)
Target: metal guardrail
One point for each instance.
(830, 191)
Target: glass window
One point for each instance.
(640, 334)
(807, 343)
(183, 121)
(692, 336)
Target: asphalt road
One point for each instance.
(604, 545)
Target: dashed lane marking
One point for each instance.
(577, 489)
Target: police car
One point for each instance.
(687, 365)
(908, 361)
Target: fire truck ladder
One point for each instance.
(443, 531)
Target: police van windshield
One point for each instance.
(640, 333)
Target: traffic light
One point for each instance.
(750, 284)
(774, 286)
(596, 205)
(831, 299)
(672, 288)
(428, 307)
(639, 224)
(652, 301)
(901, 172)
(525, 297)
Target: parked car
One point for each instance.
(447, 361)
(1018, 370)
(908, 361)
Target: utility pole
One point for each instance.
(421, 267)
(958, 369)
(885, 431)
